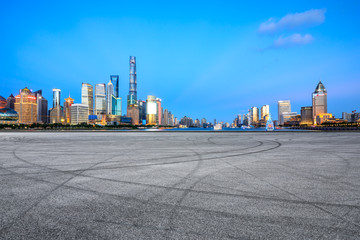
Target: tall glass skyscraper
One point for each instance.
(56, 97)
(319, 100)
(109, 96)
(100, 99)
(132, 97)
(116, 106)
(87, 97)
(265, 112)
(115, 82)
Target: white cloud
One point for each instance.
(308, 18)
(292, 40)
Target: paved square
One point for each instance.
(179, 185)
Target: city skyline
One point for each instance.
(290, 46)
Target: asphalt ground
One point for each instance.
(179, 185)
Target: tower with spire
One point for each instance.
(319, 100)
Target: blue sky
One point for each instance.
(211, 59)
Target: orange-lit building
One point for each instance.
(67, 109)
(26, 106)
(322, 117)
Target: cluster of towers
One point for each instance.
(104, 109)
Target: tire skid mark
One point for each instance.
(314, 204)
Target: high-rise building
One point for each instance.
(203, 122)
(115, 82)
(142, 110)
(265, 112)
(67, 109)
(42, 107)
(159, 115)
(132, 107)
(7, 115)
(151, 110)
(87, 97)
(166, 117)
(109, 97)
(306, 115)
(79, 113)
(283, 106)
(254, 113)
(132, 97)
(56, 112)
(56, 97)
(100, 99)
(197, 123)
(319, 100)
(10, 102)
(116, 106)
(3, 102)
(26, 106)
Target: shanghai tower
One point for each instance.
(132, 106)
(132, 97)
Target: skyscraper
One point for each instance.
(67, 109)
(56, 112)
(109, 97)
(254, 113)
(132, 97)
(306, 115)
(319, 100)
(115, 82)
(100, 99)
(159, 115)
(265, 111)
(26, 106)
(142, 110)
(56, 97)
(42, 107)
(151, 110)
(283, 107)
(87, 97)
(132, 107)
(116, 106)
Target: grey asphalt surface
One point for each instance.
(179, 185)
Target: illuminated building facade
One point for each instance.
(322, 117)
(10, 102)
(319, 101)
(26, 106)
(306, 115)
(67, 109)
(254, 115)
(265, 112)
(151, 110)
(87, 97)
(79, 113)
(100, 99)
(283, 107)
(42, 107)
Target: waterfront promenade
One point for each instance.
(179, 185)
